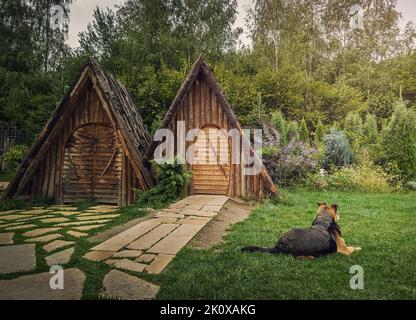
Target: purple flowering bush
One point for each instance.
(288, 164)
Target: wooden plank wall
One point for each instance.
(8, 136)
(201, 108)
(47, 180)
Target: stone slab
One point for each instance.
(148, 240)
(159, 263)
(17, 258)
(39, 232)
(22, 227)
(54, 220)
(37, 287)
(104, 216)
(129, 265)
(46, 238)
(34, 218)
(6, 238)
(4, 213)
(127, 254)
(123, 239)
(36, 211)
(81, 223)
(198, 213)
(175, 241)
(120, 285)
(146, 258)
(7, 225)
(67, 213)
(57, 244)
(197, 222)
(98, 255)
(77, 234)
(87, 228)
(166, 220)
(212, 208)
(169, 215)
(111, 261)
(63, 208)
(14, 217)
(60, 258)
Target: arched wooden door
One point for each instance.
(92, 165)
(211, 162)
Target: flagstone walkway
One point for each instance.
(151, 245)
(146, 247)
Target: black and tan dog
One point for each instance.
(322, 238)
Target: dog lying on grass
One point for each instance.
(322, 238)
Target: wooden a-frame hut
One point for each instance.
(201, 104)
(91, 148)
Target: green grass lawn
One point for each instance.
(382, 224)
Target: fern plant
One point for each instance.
(171, 180)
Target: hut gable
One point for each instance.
(201, 104)
(92, 146)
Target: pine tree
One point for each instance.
(280, 122)
(370, 129)
(304, 132)
(353, 128)
(319, 132)
(292, 130)
(399, 141)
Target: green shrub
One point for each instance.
(319, 133)
(337, 150)
(399, 143)
(14, 156)
(292, 131)
(353, 128)
(304, 132)
(279, 122)
(171, 180)
(371, 138)
(364, 177)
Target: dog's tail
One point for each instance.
(258, 249)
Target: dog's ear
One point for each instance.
(320, 204)
(335, 207)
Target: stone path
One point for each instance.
(42, 226)
(17, 258)
(151, 245)
(37, 287)
(120, 285)
(146, 246)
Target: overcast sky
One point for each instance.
(82, 12)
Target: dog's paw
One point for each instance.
(358, 248)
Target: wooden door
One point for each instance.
(211, 162)
(92, 165)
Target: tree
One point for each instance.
(353, 128)
(292, 131)
(280, 123)
(370, 130)
(32, 57)
(304, 132)
(399, 142)
(319, 133)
